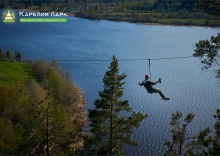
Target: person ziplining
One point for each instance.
(149, 86)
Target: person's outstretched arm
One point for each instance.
(159, 81)
(141, 84)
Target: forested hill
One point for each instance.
(41, 110)
(172, 5)
(175, 12)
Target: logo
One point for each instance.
(9, 17)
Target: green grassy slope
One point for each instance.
(14, 72)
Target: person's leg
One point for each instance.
(158, 91)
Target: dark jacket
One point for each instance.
(148, 85)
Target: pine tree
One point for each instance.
(210, 51)
(111, 130)
(178, 133)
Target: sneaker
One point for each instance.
(165, 98)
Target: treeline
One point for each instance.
(177, 18)
(143, 5)
(41, 4)
(177, 12)
(172, 5)
(117, 5)
(43, 116)
(10, 56)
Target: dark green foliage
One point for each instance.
(174, 12)
(209, 50)
(201, 144)
(205, 144)
(111, 131)
(178, 133)
(215, 148)
(10, 56)
(217, 124)
(9, 137)
(13, 106)
(39, 4)
(210, 6)
(18, 57)
(1, 55)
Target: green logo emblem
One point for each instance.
(9, 17)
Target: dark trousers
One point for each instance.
(153, 90)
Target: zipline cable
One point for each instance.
(144, 59)
(149, 63)
(149, 68)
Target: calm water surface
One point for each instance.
(190, 88)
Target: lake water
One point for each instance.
(190, 88)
